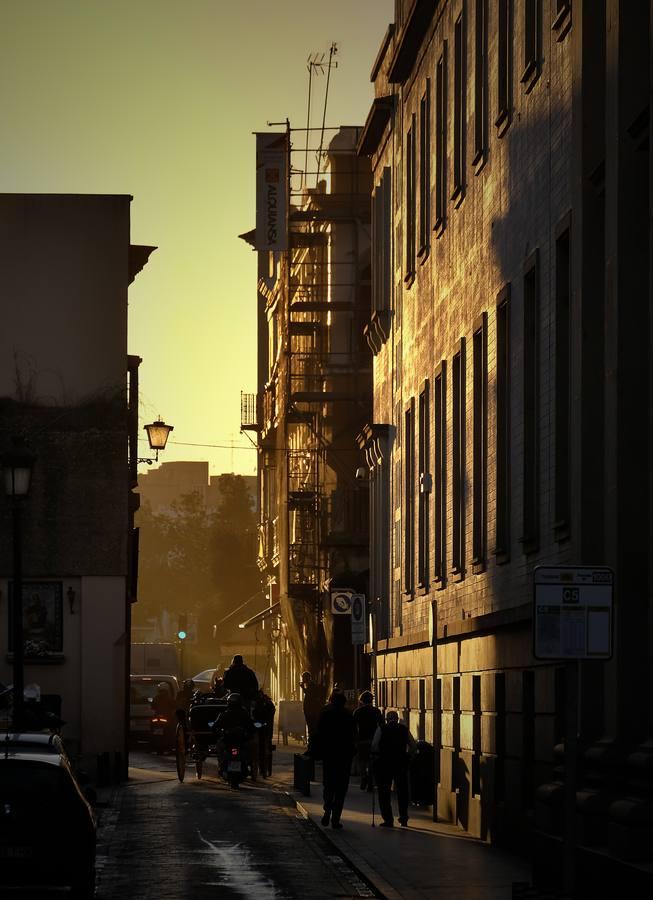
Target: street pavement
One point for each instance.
(426, 861)
(162, 840)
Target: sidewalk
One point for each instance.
(426, 861)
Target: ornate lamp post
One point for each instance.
(17, 466)
(157, 436)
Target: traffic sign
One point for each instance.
(572, 612)
(358, 619)
(341, 601)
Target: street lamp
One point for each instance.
(17, 465)
(157, 436)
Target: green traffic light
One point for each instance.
(181, 635)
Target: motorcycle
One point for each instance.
(234, 765)
(162, 732)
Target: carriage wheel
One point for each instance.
(199, 766)
(180, 752)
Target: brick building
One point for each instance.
(510, 330)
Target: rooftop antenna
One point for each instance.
(333, 49)
(315, 62)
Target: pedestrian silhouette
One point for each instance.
(334, 744)
(392, 747)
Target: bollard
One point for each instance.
(303, 767)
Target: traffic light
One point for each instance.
(182, 632)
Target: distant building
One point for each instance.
(161, 487)
(510, 326)
(68, 386)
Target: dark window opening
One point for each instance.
(562, 386)
(502, 545)
(479, 484)
(409, 497)
(440, 140)
(531, 440)
(532, 41)
(410, 203)
(504, 73)
(425, 172)
(458, 461)
(459, 112)
(439, 471)
(424, 466)
(480, 81)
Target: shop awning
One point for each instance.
(264, 614)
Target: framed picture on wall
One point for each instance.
(42, 617)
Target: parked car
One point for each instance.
(33, 742)
(202, 680)
(142, 689)
(47, 827)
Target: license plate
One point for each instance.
(235, 767)
(16, 852)
(157, 731)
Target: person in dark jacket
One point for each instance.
(263, 713)
(240, 679)
(367, 719)
(312, 702)
(334, 745)
(392, 747)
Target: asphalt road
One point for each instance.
(162, 840)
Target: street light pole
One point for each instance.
(17, 466)
(17, 613)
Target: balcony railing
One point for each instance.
(248, 418)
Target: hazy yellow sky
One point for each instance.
(158, 99)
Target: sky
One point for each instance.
(159, 99)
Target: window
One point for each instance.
(439, 471)
(459, 116)
(479, 484)
(504, 73)
(480, 81)
(502, 546)
(382, 255)
(425, 171)
(440, 140)
(411, 210)
(532, 41)
(530, 535)
(458, 461)
(424, 466)
(562, 389)
(409, 496)
(562, 21)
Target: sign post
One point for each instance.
(572, 620)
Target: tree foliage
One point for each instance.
(193, 560)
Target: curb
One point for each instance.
(365, 872)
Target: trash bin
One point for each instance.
(304, 771)
(422, 775)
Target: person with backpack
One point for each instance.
(392, 747)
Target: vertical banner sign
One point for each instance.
(358, 619)
(271, 191)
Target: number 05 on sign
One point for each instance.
(572, 613)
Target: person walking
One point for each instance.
(367, 719)
(312, 702)
(392, 747)
(334, 744)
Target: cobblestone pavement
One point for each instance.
(161, 840)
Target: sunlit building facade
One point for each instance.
(314, 398)
(510, 329)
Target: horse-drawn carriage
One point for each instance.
(195, 738)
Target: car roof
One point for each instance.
(37, 738)
(205, 672)
(18, 754)
(152, 677)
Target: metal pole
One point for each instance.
(571, 776)
(18, 640)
